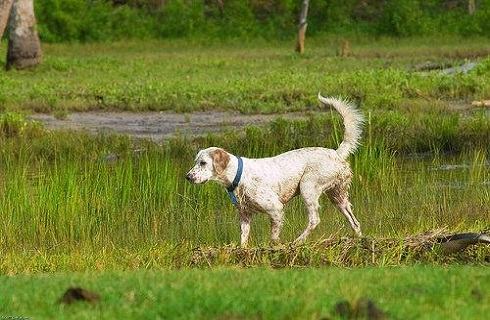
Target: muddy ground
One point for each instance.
(159, 125)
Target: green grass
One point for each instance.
(417, 292)
(249, 77)
(65, 207)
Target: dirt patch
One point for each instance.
(159, 125)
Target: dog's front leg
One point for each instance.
(277, 218)
(245, 219)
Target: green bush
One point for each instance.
(16, 125)
(404, 18)
(80, 20)
(100, 20)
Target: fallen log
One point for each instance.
(460, 241)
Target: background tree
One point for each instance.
(300, 43)
(471, 7)
(5, 6)
(24, 47)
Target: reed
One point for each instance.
(65, 195)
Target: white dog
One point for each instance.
(267, 184)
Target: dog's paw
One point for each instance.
(243, 246)
(298, 242)
(276, 244)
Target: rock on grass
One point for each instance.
(72, 295)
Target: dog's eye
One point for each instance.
(202, 163)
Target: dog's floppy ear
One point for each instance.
(220, 160)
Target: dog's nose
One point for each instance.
(188, 177)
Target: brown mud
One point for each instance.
(160, 125)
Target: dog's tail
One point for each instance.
(353, 120)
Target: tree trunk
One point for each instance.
(24, 47)
(471, 7)
(300, 43)
(5, 6)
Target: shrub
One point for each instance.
(16, 125)
(88, 20)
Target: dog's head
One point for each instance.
(209, 164)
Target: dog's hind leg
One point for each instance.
(340, 198)
(346, 208)
(311, 194)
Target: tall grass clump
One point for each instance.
(68, 195)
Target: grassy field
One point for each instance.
(249, 77)
(418, 292)
(67, 207)
(423, 164)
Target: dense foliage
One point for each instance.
(100, 20)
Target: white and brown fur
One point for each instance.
(267, 184)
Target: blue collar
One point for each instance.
(235, 182)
